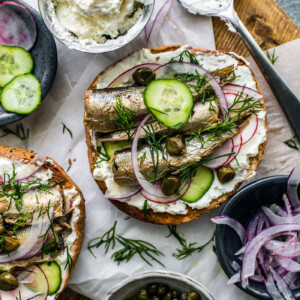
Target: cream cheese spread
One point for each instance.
(94, 21)
(241, 165)
(205, 5)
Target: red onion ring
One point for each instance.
(234, 88)
(129, 192)
(292, 187)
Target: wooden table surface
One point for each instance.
(269, 25)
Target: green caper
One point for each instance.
(2, 229)
(8, 282)
(11, 243)
(176, 145)
(168, 296)
(183, 296)
(142, 76)
(162, 290)
(152, 288)
(193, 296)
(170, 185)
(143, 295)
(175, 294)
(225, 174)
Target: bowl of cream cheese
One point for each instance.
(96, 26)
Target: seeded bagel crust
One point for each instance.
(192, 214)
(58, 174)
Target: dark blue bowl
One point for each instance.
(243, 206)
(45, 62)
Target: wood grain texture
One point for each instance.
(268, 24)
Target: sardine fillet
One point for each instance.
(195, 152)
(203, 115)
(33, 201)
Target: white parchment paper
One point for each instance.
(94, 277)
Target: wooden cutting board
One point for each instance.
(268, 24)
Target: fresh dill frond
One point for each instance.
(19, 296)
(20, 221)
(272, 58)
(124, 118)
(156, 147)
(20, 132)
(292, 143)
(187, 248)
(145, 209)
(180, 58)
(66, 128)
(130, 247)
(69, 262)
(142, 159)
(50, 246)
(108, 238)
(102, 156)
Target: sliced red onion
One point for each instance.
(123, 193)
(242, 90)
(292, 187)
(272, 289)
(237, 145)
(285, 249)
(186, 67)
(152, 29)
(254, 246)
(251, 230)
(166, 199)
(227, 147)
(235, 278)
(32, 244)
(127, 75)
(276, 220)
(288, 264)
(249, 131)
(238, 227)
(17, 25)
(287, 205)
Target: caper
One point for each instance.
(155, 298)
(2, 229)
(175, 294)
(152, 288)
(142, 76)
(170, 185)
(176, 145)
(193, 296)
(143, 295)
(168, 296)
(183, 296)
(8, 282)
(225, 174)
(162, 290)
(11, 243)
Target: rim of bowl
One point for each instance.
(228, 207)
(164, 274)
(109, 46)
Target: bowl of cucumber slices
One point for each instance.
(28, 60)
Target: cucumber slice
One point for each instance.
(200, 184)
(53, 273)
(22, 95)
(14, 61)
(170, 101)
(38, 282)
(111, 147)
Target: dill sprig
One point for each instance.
(2, 242)
(272, 58)
(108, 238)
(102, 156)
(124, 118)
(130, 247)
(20, 221)
(292, 143)
(19, 132)
(19, 296)
(51, 246)
(145, 209)
(69, 262)
(156, 147)
(66, 128)
(187, 249)
(180, 58)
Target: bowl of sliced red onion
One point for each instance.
(258, 238)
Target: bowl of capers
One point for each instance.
(159, 285)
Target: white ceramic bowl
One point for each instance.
(73, 43)
(130, 286)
